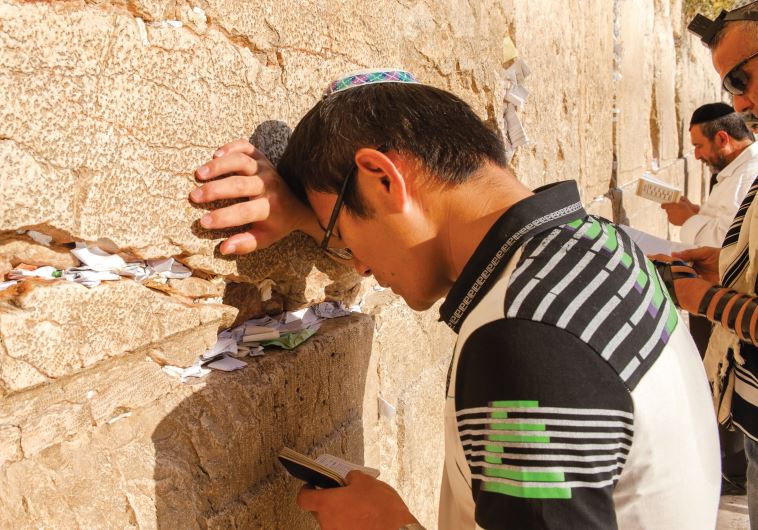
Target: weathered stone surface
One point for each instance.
(15, 249)
(248, 300)
(158, 454)
(569, 111)
(196, 287)
(412, 379)
(53, 329)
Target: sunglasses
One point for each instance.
(735, 81)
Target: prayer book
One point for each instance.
(326, 471)
(656, 190)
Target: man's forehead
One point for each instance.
(737, 44)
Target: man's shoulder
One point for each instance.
(589, 279)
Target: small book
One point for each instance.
(656, 190)
(326, 471)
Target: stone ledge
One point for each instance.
(183, 450)
(53, 329)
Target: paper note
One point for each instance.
(509, 50)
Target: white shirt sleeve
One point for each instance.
(709, 226)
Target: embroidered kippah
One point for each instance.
(369, 77)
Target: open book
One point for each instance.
(656, 190)
(326, 471)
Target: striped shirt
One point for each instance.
(566, 392)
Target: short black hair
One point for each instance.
(716, 117)
(751, 25)
(436, 127)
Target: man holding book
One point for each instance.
(723, 141)
(575, 397)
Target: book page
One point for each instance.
(650, 244)
(343, 467)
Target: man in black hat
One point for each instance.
(724, 143)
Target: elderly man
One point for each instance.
(723, 141)
(564, 403)
(732, 357)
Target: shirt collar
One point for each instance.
(550, 206)
(748, 153)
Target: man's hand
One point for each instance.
(705, 261)
(690, 292)
(365, 503)
(272, 208)
(679, 212)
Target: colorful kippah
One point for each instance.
(369, 77)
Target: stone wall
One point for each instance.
(106, 109)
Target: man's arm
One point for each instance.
(270, 207)
(546, 427)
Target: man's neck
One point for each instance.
(739, 147)
(469, 211)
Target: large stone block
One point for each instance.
(568, 115)
(53, 329)
(183, 456)
(407, 446)
(635, 89)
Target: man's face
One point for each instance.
(736, 45)
(706, 150)
(395, 248)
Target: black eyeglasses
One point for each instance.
(342, 253)
(735, 81)
(339, 253)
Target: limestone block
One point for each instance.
(187, 456)
(10, 444)
(640, 213)
(697, 83)
(602, 206)
(635, 90)
(407, 447)
(15, 249)
(569, 111)
(247, 299)
(420, 442)
(57, 328)
(194, 287)
(664, 128)
(133, 129)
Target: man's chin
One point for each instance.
(417, 304)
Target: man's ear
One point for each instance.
(384, 180)
(721, 139)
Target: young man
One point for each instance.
(575, 398)
(724, 143)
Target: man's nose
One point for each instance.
(361, 267)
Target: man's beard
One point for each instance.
(717, 163)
